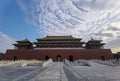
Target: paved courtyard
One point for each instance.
(58, 71)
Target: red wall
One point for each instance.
(77, 54)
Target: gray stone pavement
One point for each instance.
(54, 72)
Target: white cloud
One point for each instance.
(6, 42)
(26, 8)
(99, 19)
(22, 5)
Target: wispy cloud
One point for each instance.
(23, 6)
(81, 18)
(27, 10)
(6, 42)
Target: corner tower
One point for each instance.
(94, 44)
(23, 44)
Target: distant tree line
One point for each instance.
(1, 56)
(116, 55)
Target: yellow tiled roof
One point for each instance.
(58, 37)
(25, 40)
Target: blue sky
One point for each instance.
(13, 23)
(99, 19)
(12, 20)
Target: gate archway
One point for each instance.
(47, 57)
(102, 58)
(71, 58)
(59, 58)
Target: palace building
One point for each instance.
(58, 48)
